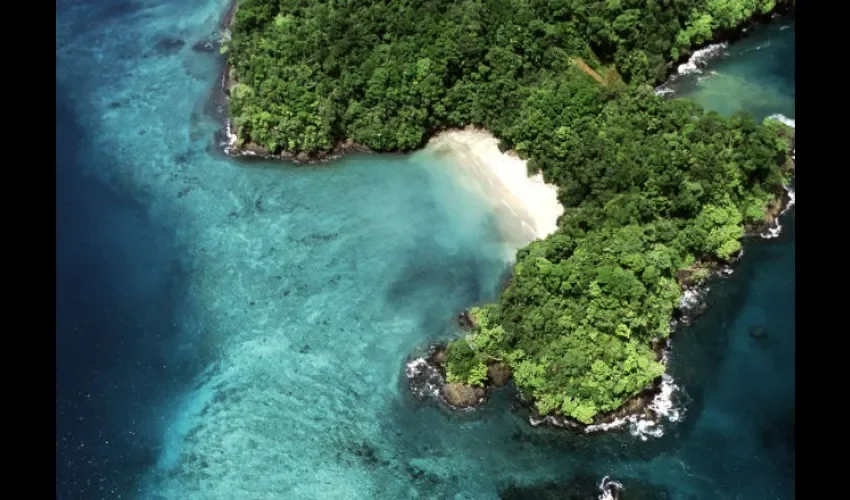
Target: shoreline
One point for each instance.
(644, 411)
(502, 177)
(503, 180)
(700, 53)
(426, 377)
(694, 57)
(534, 204)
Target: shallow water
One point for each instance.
(239, 330)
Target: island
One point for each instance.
(656, 193)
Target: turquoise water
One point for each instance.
(755, 74)
(231, 330)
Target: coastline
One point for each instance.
(250, 149)
(534, 204)
(719, 39)
(503, 179)
(253, 150)
(643, 411)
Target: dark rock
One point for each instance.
(439, 357)
(204, 46)
(498, 374)
(758, 333)
(425, 379)
(227, 19)
(368, 454)
(683, 277)
(256, 149)
(465, 320)
(302, 157)
(462, 395)
(169, 45)
(586, 488)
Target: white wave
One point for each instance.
(645, 428)
(616, 424)
(792, 197)
(415, 367)
(662, 90)
(662, 407)
(772, 232)
(776, 230)
(429, 377)
(608, 487)
(783, 28)
(551, 420)
(662, 404)
(691, 298)
(700, 57)
(782, 118)
(535, 421)
(231, 138)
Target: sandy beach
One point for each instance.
(504, 179)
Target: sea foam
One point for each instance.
(608, 488)
(784, 119)
(424, 379)
(663, 406)
(700, 57)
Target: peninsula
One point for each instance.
(652, 192)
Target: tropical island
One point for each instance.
(655, 192)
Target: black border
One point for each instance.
(813, 362)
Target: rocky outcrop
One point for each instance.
(465, 320)
(462, 395)
(427, 375)
(730, 35)
(498, 374)
(637, 405)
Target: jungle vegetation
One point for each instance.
(650, 186)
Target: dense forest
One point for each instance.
(651, 187)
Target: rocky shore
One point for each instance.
(251, 149)
(427, 376)
(729, 35)
(642, 410)
(230, 135)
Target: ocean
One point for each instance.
(230, 329)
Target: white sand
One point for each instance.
(504, 179)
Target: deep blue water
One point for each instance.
(119, 281)
(231, 331)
